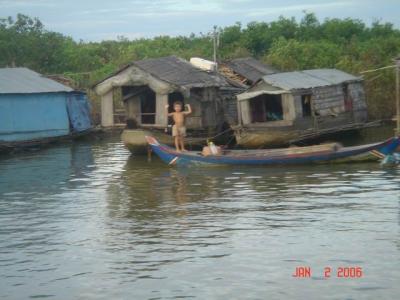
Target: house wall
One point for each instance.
(25, 117)
(231, 115)
(357, 93)
(289, 110)
(243, 106)
(193, 121)
(328, 100)
(244, 112)
(161, 102)
(132, 108)
(212, 112)
(207, 108)
(107, 109)
(329, 105)
(301, 122)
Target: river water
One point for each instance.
(88, 221)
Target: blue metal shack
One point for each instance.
(34, 108)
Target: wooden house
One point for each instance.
(285, 107)
(147, 86)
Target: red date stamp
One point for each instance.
(329, 272)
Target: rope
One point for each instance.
(374, 70)
(217, 135)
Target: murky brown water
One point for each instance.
(87, 221)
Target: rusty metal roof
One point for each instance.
(26, 81)
(250, 68)
(309, 79)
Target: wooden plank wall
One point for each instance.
(357, 93)
(328, 100)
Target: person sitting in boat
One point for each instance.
(179, 129)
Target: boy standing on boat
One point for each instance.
(179, 129)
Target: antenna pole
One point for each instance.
(215, 46)
(398, 96)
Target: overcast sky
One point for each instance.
(95, 20)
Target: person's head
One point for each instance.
(177, 106)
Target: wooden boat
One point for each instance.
(287, 156)
(135, 139)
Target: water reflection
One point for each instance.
(45, 171)
(82, 215)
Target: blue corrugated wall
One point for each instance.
(25, 117)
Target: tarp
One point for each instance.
(79, 112)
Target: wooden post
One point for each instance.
(215, 44)
(239, 111)
(161, 117)
(398, 96)
(107, 109)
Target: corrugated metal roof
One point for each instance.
(251, 68)
(308, 79)
(25, 81)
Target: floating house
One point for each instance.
(285, 107)
(35, 109)
(147, 86)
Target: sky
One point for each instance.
(96, 20)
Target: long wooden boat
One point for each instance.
(135, 139)
(286, 156)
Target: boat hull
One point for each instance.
(301, 155)
(135, 139)
(265, 138)
(259, 137)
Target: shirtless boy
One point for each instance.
(179, 129)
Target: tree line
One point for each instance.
(288, 44)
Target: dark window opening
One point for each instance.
(306, 105)
(266, 108)
(148, 107)
(130, 91)
(175, 97)
(172, 98)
